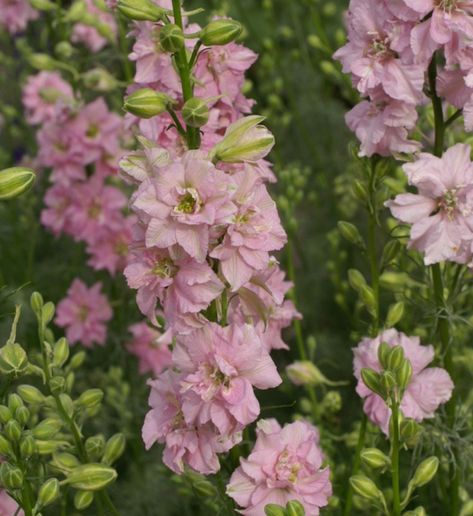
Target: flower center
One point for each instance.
(94, 210)
(287, 467)
(189, 202)
(449, 202)
(446, 5)
(164, 268)
(83, 313)
(379, 48)
(121, 248)
(92, 131)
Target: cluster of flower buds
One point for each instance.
(40, 442)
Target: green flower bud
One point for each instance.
(77, 360)
(5, 414)
(274, 510)
(36, 302)
(99, 79)
(388, 381)
(365, 487)
(22, 415)
(384, 350)
(82, 499)
(94, 446)
(368, 298)
(113, 449)
(395, 314)
(91, 477)
(141, 10)
(43, 5)
(356, 279)
(60, 352)
(46, 447)
(30, 394)
(146, 103)
(372, 380)
(390, 252)
(418, 511)
(6, 449)
(15, 181)
(57, 384)
(425, 472)
(171, 38)
(195, 112)
(43, 62)
(220, 32)
(360, 190)
(65, 462)
(47, 313)
(350, 233)
(10, 476)
(90, 398)
(304, 373)
(13, 359)
(404, 374)
(48, 492)
(294, 508)
(375, 458)
(67, 403)
(47, 429)
(395, 358)
(12, 431)
(27, 446)
(14, 401)
(244, 140)
(64, 50)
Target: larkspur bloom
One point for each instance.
(89, 35)
(428, 388)
(15, 15)
(8, 506)
(285, 464)
(84, 314)
(441, 213)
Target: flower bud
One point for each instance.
(22, 415)
(47, 428)
(244, 140)
(390, 252)
(49, 446)
(27, 446)
(365, 487)
(146, 103)
(360, 190)
(43, 5)
(94, 446)
(13, 359)
(171, 38)
(113, 449)
(388, 381)
(5, 414)
(77, 360)
(395, 314)
(67, 403)
(10, 476)
(384, 350)
(418, 511)
(350, 233)
(91, 477)
(56, 384)
(294, 508)
(6, 449)
(60, 352)
(15, 181)
(356, 279)
(30, 394)
(375, 458)
(64, 50)
(65, 462)
(82, 499)
(43, 62)
(48, 492)
(274, 510)
(36, 302)
(220, 32)
(368, 298)
(90, 398)
(372, 380)
(47, 313)
(304, 373)
(14, 401)
(99, 79)
(141, 10)
(395, 358)
(404, 374)
(195, 112)
(12, 431)
(425, 472)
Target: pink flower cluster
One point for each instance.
(285, 464)
(389, 49)
(100, 22)
(428, 388)
(16, 14)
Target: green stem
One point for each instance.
(395, 458)
(374, 268)
(356, 463)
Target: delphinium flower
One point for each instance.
(84, 314)
(8, 506)
(441, 212)
(285, 464)
(15, 15)
(89, 33)
(428, 388)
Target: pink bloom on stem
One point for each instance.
(429, 386)
(83, 314)
(56, 214)
(88, 34)
(441, 213)
(41, 95)
(185, 444)
(15, 15)
(153, 354)
(252, 233)
(8, 506)
(220, 367)
(285, 464)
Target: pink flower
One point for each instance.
(153, 354)
(88, 34)
(41, 95)
(378, 53)
(8, 506)
(15, 15)
(220, 367)
(182, 202)
(183, 285)
(185, 444)
(285, 464)
(55, 216)
(252, 232)
(428, 388)
(382, 126)
(83, 313)
(441, 212)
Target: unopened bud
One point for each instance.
(6, 449)
(404, 374)
(113, 449)
(356, 279)
(171, 38)
(410, 432)
(375, 458)
(48, 492)
(36, 302)
(304, 373)
(395, 358)
(420, 511)
(47, 428)
(60, 352)
(15, 181)
(384, 350)
(141, 10)
(294, 508)
(10, 476)
(47, 313)
(220, 32)
(195, 112)
(64, 50)
(56, 384)
(27, 446)
(360, 190)
(146, 103)
(395, 314)
(99, 79)
(274, 510)
(91, 477)
(14, 401)
(43, 5)
(5, 414)
(30, 394)
(372, 380)
(94, 446)
(77, 360)
(65, 461)
(12, 431)
(390, 253)
(368, 298)
(388, 381)
(43, 62)
(90, 398)
(22, 415)
(350, 233)
(13, 359)
(425, 472)
(82, 499)
(365, 487)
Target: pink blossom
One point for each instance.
(88, 34)
(285, 464)
(428, 388)
(185, 444)
(182, 202)
(153, 354)
(41, 95)
(252, 232)
(83, 314)
(8, 506)
(441, 212)
(55, 216)
(15, 15)
(220, 367)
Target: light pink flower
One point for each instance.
(89, 35)
(220, 367)
(182, 202)
(428, 388)
(153, 354)
(185, 444)
(8, 506)
(15, 15)
(252, 232)
(441, 213)
(41, 95)
(285, 464)
(83, 314)
(55, 215)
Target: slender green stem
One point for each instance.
(374, 268)
(356, 463)
(395, 458)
